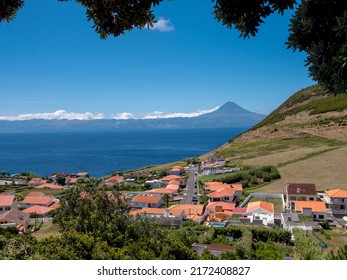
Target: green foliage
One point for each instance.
(247, 16)
(317, 102)
(305, 247)
(248, 176)
(9, 8)
(267, 251)
(318, 28)
(341, 254)
(28, 175)
(271, 235)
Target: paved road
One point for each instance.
(192, 191)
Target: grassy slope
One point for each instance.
(305, 138)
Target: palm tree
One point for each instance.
(166, 199)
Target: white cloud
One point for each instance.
(162, 115)
(163, 25)
(63, 115)
(57, 115)
(123, 116)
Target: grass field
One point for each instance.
(327, 171)
(47, 229)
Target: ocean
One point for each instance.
(104, 152)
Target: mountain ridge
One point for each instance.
(228, 115)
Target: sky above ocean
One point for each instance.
(53, 61)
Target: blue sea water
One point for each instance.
(103, 152)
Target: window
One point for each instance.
(311, 198)
(321, 217)
(314, 216)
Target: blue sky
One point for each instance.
(52, 59)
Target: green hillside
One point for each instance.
(313, 99)
(308, 130)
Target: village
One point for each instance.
(180, 195)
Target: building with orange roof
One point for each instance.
(176, 170)
(300, 191)
(194, 212)
(162, 191)
(226, 194)
(55, 205)
(116, 179)
(219, 211)
(36, 182)
(38, 210)
(31, 200)
(215, 207)
(315, 209)
(260, 211)
(50, 187)
(14, 218)
(71, 181)
(174, 188)
(166, 180)
(238, 189)
(7, 202)
(216, 186)
(146, 201)
(337, 201)
(160, 215)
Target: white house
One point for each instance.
(261, 211)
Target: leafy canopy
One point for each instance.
(318, 27)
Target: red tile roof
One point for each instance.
(337, 193)
(196, 209)
(222, 193)
(269, 207)
(162, 191)
(50, 187)
(239, 211)
(146, 199)
(38, 200)
(36, 209)
(72, 180)
(115, 179)
(55, 205)
(301, 189)
(170, 177)
(174, 182)
(6, 200)
(237, 187)
(315, 206)
(225, 205)
(149, 211)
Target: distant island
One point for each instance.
(229, 115)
